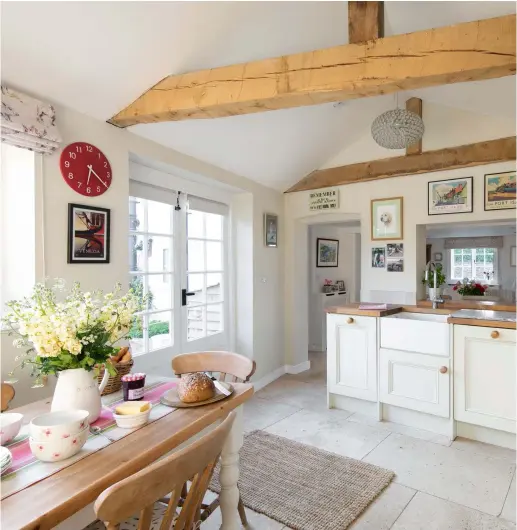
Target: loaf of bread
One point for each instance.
(195, 387)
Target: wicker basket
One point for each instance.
(114, 383)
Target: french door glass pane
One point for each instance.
(159, 250)
(214, 226)
(160, 330)
(214, 256)
(159, 217)
(136, 336)
(195, 224)
(214, 318)
(160, 288)
(214, 287)
(136, 253)
(136, 214)
(196, 284)
(195, 256)
(196, 323)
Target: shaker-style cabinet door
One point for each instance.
(352, 356)
(484, 377)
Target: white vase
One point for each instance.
(79, 389)
(435, 293)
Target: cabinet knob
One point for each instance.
(443, 369)
(349, 320)
(494, 334)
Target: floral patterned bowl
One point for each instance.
(58, 425)
(10, 423)
(57, 449)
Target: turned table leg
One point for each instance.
(229, 475)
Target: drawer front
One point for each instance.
(415, 381)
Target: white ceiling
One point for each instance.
(97, 57)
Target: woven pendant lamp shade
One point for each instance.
(397, 129)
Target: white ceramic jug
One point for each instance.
(78, 389)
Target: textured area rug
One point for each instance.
(304, 487)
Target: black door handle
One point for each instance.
(184, 294)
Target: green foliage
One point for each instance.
(440, 277)
(156, 327)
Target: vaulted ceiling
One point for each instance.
(97, 57)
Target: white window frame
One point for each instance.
(493, 281)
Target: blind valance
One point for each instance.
(28, 123)
(474, 242)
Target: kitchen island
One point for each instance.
(445, 370)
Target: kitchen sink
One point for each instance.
(427, 317)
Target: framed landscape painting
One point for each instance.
(88, 234)
(387, 218)
(500, 191)
(327, 252)
(450, 196)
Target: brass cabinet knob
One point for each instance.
(443, 369)
(349, 320)
(494, 334)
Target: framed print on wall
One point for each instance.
(378, 257)
(270, 230)
(387, 219)
(450, 196)
(500, 191)
(88, 234)
(327, 252)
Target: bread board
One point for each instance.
(171, 398)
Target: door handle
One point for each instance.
(184, 294)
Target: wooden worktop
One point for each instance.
(456, 305)
(353, 309)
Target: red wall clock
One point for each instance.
(85, 169)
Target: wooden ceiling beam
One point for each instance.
(414, 105)
(365, 21)
(464, 52)
(451, 158)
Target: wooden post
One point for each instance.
(365, 21)
(414, 105)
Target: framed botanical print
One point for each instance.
(450, 196)
(387, 219)
(88, 234)
(500, 191)
(327, 252)
(270, 230)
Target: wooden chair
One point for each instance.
(140, 493)
(239, 368)
(7, 395)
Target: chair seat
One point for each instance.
(159, 510)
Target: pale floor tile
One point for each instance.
(509, 505)
(480, 483)
(330, 430)
(261, 413)
(295, 394)
(480, 448)
(383, 512)
(426, 512)
(317, 374)
(421, 434)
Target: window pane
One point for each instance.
(214, 318)
(159, 217)
(136, 336)
(458, 273)
(196, 323)
(195, 258)
(195, 222)
(213, 256)
(157, 247)
(136, 253)
(214, 288)
(214, 226)
(196, 284)
(160, 291)
(136, 214)
(160, 330)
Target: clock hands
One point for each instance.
(89, 173)
(92, 171)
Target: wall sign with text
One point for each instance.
(327, 199)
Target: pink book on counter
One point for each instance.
(373, 306)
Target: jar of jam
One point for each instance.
(133, 386)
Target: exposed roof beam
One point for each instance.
(365, 21)
(451, 158)
(465, 52)
(414, 105)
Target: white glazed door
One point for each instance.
(484, 377)
(352, 356)
(415, 381)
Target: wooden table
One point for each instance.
(45, 504)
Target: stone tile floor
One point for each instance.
(465, 485)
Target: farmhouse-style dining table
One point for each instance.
(39, 496)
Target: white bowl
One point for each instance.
(10, 424)
(130, 421)
(58, 425)
(57, 449)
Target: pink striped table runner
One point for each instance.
(27, 469)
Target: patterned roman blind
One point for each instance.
(28, 123)
(474, 242)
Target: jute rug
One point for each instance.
(303, 487)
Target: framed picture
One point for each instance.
(387, 218)
(270, 230)
(450, 196)
(327, 252)
(500, 191)
(512, 257)
(340, 285)
(395, 250)
(88, 234)
(378, 257)
(395, 265)
(438, 256)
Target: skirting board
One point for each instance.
(279, 372)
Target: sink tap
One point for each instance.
(435, 299)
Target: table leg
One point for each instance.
(229, 475)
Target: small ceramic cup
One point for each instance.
(10, 424)
(55, 450)
(58, 425)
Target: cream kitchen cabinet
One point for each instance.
(352, 356)
(484, 377)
